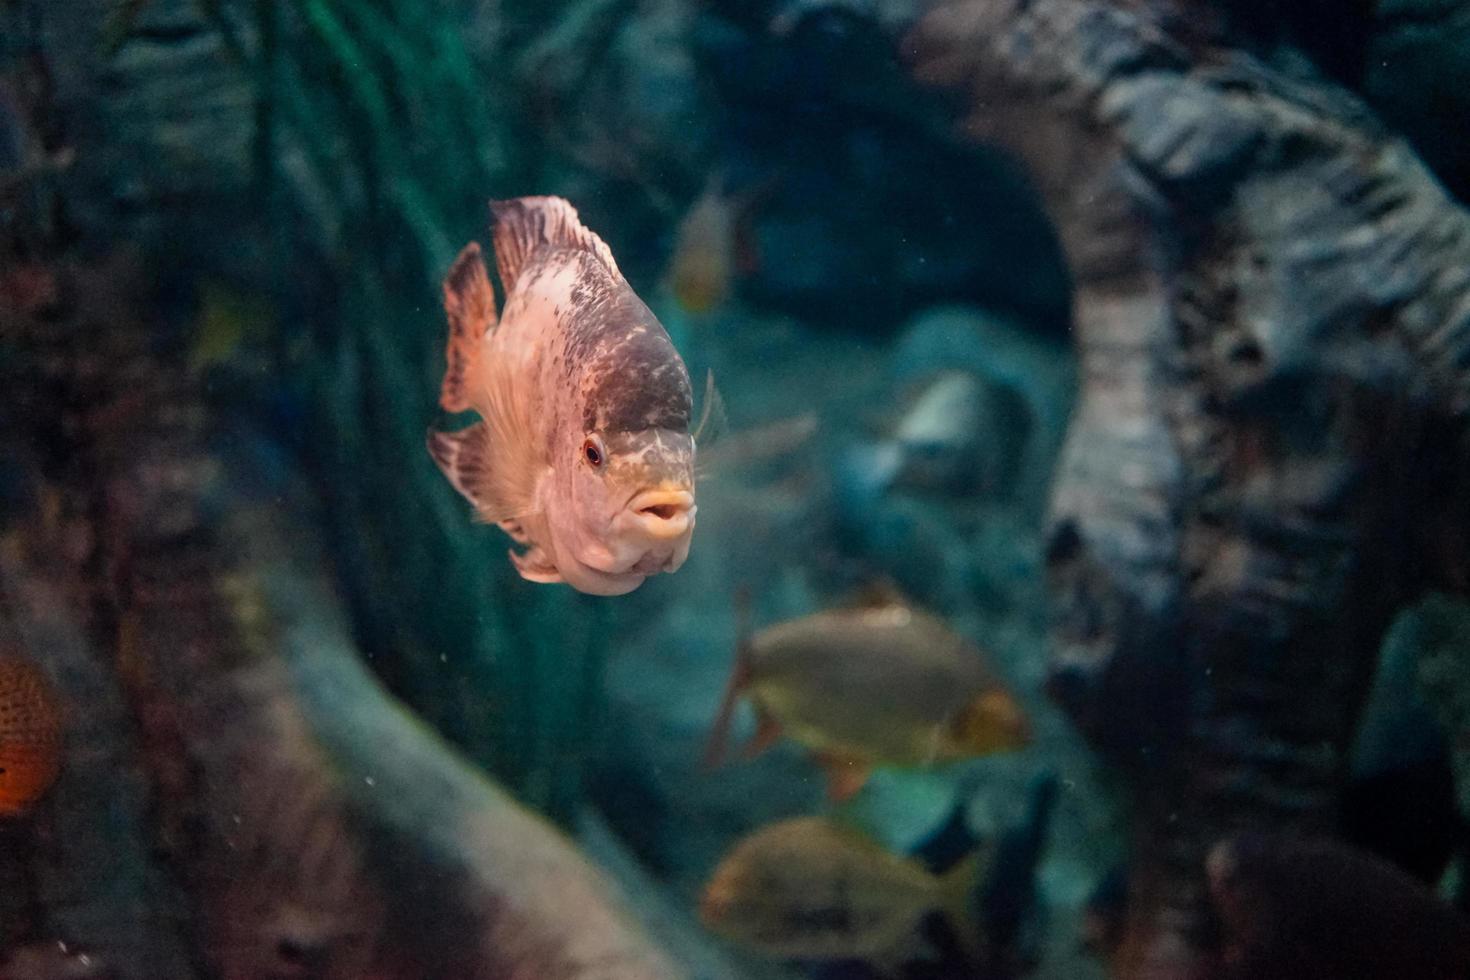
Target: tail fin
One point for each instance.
(469, 302)
(717, 748)
(524, 224)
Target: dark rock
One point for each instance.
(1400, 801)
(1269, 304)
(877, 211)
(1417, 64)
(1010, 906)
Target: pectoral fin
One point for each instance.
(516, 530)
(713, 420)
(495, 463)
(534, 566)
(767, 732)
(464, 459)
(845, 775)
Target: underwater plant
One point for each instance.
(379, 132)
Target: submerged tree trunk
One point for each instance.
(239, 796)
(1269, 455)
(324, 162)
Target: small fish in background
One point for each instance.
(713, 247)
(1293, 907)
(959, 436)
(30, 735)
(229, 322)
(583, 454)
(810, 888)
(878, 682)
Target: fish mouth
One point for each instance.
(662, 515)
(650, 564)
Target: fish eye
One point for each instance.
(593, 452)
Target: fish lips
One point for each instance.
(653, 532)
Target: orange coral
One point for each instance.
(30, 735)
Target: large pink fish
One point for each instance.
(583, 453)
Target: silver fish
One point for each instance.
(583, 454)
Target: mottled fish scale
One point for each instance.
(632, 377)
(608, 353)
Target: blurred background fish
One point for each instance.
(713, 246)
(30, 735)
(878, 682)
(233, 327)
(1291, 907)
(950, 440)
(811, 888)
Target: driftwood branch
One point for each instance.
(1268, 459)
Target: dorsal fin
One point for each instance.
(877, 593)
(524, 224)
(469, 303)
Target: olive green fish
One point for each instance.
(810, 888)
(876, 683)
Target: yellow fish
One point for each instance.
(713, 246)
(702, 267)
(228, 321)
(810, 888)
(871, 684)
